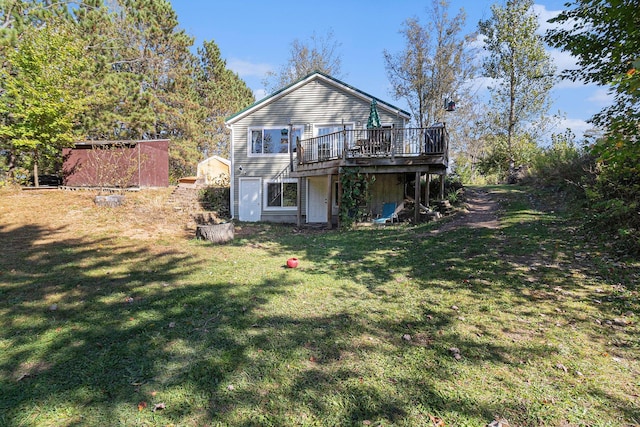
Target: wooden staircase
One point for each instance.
(185, 198)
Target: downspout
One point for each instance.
(232, 175)
(290, 148)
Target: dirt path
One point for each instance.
(481, 212)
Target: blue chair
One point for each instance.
(388, 213)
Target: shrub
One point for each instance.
(355, 196)
(217, 199)
(563, 167)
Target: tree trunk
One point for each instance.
(511, 173)
(216, 233)
(11, 164)
(36, 181)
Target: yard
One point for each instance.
(117, 316)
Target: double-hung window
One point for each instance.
(273, 140)
(281, 194)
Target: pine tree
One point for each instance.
(222, 93)
(144, 82)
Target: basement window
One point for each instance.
(283, 195)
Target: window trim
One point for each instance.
(318, 126)
(265, 194)
(251, 129)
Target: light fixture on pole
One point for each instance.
(449, 105)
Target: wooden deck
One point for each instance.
(374, 151)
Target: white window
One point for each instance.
(281, 194)
(272, 140)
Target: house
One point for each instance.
(289, 150)
(212, 170)
(120, 164)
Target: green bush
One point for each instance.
(355, 196)
(563, 164)
(216, 199)
(605, 191)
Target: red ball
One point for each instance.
(292, 262)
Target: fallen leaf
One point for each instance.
(406, 337)
(159, 406)
(142, 405)
(498, 423)
(437, 421)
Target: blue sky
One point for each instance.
(255, 37)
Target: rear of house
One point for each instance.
(288, 151)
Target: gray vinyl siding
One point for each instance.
(316, 102)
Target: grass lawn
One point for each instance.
(118, 317)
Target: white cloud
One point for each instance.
(562, 59)
(601, 97)
(478, 42)
(543, 16)
(248, 69)
(569, 84)
(577, 126)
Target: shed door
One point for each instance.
(249, 205)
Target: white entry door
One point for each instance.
(317, 199)
(250, 203)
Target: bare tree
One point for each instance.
(317, 54)
(112, 166)
(435, 64)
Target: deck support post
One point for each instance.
(444, 174)
(329, 203)
(339, 197)
(299, 203)
(416, 215)
(427, 192)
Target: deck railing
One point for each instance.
(374, 143)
